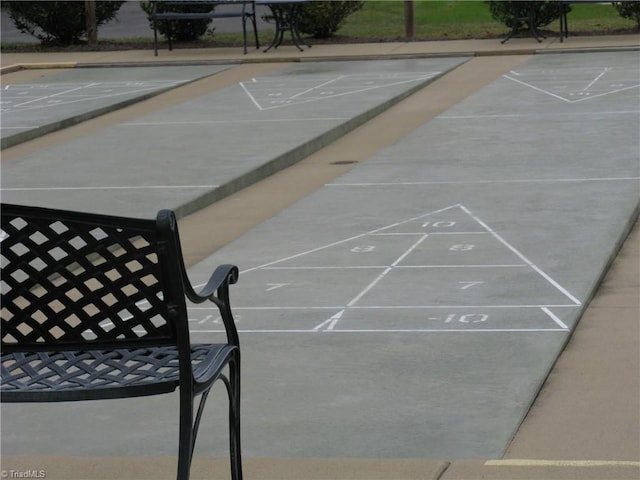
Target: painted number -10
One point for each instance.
(466, 318)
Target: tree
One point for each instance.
(322, 19)
(544, 12)
(630, 10)
(58, 22)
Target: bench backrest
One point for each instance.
(176, 9)
(77, 281)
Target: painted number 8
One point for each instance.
(363, 248)
(462, 247)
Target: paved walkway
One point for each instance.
(288, 53)
(584, 423)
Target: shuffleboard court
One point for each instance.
(423, 296)
(65, 98)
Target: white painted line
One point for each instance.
(593, 82)
(459, 233)
(51, 96)
(83, 99)
(566, 100)
(255, 102)
(536, 88)
(464, 266)
(365, 267)
(409, 307)
(488, 182)
(398, 234)
(570, 113)
(345, 240)
(358, 88)
(231, 122)
(415, 234)
(605, 93)
(390, 307)
(325, 307)
(369, 287)
(333, 80)
(450, 330)
(554, 318)
(328, 267)
(382, 275)
(330, 322)
(133, 187)
(560, 463)
(409, 250)
(407, 330)
(525, 259)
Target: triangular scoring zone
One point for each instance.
(267, 93)
(574, 85)
(403, 281)
(23, 97)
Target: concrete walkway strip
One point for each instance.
(541, 470)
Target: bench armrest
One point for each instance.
(217, 291)
(223, 274)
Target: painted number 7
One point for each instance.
(466, 285)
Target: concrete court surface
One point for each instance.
(234, 135)
(450, 256)
(442, 224)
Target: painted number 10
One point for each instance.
(440, 224)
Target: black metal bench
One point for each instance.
(163, 11)
(93, 307)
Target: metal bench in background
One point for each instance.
(164, 11)
(93, 307)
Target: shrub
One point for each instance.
(545, 12)
(322, 19)
(181, 30)
(630, 10)
(59, 22)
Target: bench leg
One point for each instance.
(189, 424)
(244, 33)
(185, 445)
(155, 39)
(234, 417)
(255, 30)
(169, 34)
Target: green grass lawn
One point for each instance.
(465, 19)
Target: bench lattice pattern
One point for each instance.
(69, 282)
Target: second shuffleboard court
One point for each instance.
(453, 271)
(24, 97)
(65, 98)
(579, 83)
